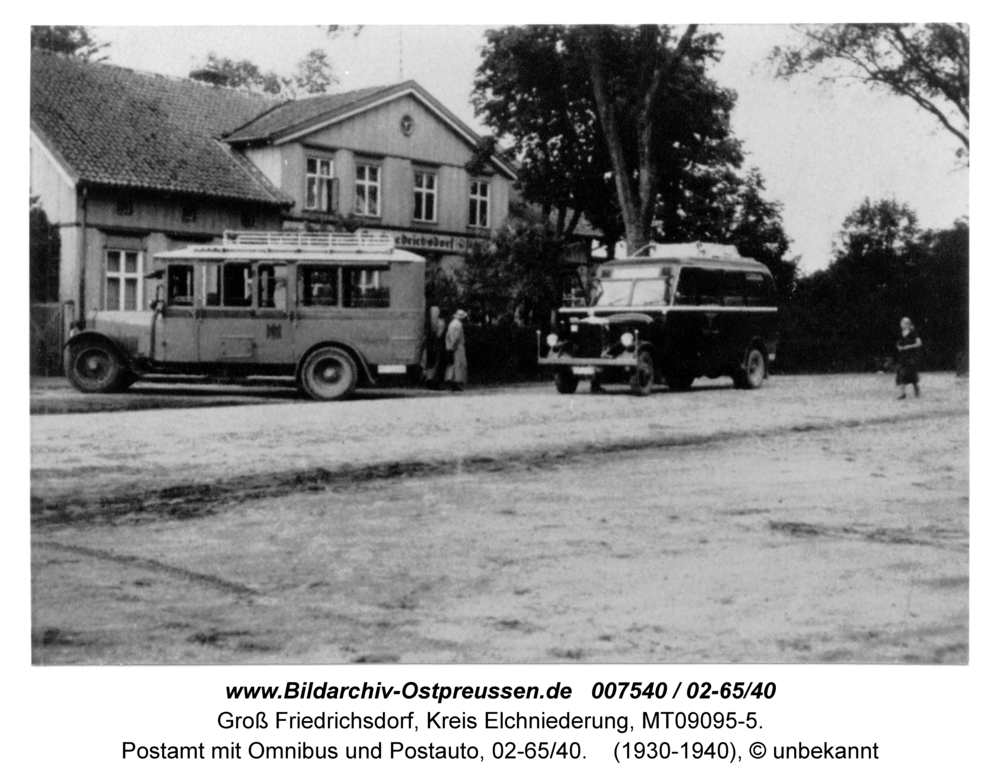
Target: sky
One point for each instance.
(822, 149)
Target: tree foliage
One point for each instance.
(518, 278)
(619, 124)
(313, 75)
(846, 317)
(72, 41)
(43, 255)
(928, 64)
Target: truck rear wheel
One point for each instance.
(753, 370)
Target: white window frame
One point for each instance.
(321, 196)
(123, 277)
(479, 201)
(366, 186)
(421, 192)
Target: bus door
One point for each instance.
(228, 329)
(273, 327)
(177, 329)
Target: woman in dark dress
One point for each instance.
(908, 347)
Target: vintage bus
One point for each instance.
(670, 313)
(333, 310)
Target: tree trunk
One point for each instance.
(636, 195)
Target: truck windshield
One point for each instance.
(613, 292)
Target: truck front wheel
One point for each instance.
(566, 381)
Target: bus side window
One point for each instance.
(317, 286)
(365, 288)
(213, 285)
(710, 287)
(686, 293)
(272, 286)
(180, 285)
(237, 286)
(758, 290)
(228, 285)
(734, 288)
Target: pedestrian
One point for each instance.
(908, 346)
(457, 372)
(437, 358)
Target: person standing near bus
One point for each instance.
(436, 355)
(457, 373)
(908, 346)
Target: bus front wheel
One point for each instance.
(95, 367)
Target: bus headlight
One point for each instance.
(627, 339)
(552, 339)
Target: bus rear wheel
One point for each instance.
(328, 374)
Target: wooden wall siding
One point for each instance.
(377, 131)
(57, 194)
(164, 212)
(69, 263)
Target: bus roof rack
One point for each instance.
(361, 241)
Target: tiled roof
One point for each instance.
(306, 114)
(290, 116)
(118, 127)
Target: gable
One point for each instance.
(379, 131)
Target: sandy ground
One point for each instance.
(816, 520)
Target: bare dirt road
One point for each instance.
(816, 520)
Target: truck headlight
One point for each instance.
(552, 339)
(627, 339)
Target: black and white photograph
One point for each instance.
(513, 344)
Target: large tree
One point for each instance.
(630, 69)
(532, 90)
(928, 64)
(73, 41)
(619, 124)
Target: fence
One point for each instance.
(48, 334)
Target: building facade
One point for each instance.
(128, 164)
(388, 158)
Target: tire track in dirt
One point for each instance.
(191, 501)
(149, 564)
